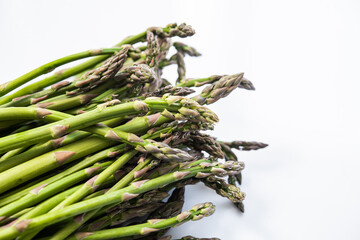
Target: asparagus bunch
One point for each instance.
(95, 157)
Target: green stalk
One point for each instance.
(48, 67)
(197, 82)
(61, 103)
(152, 225)
(55, 90)
(26, 113)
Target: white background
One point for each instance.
(302, 56)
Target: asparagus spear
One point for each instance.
(195, 213)
(223, 87)
(46, 68)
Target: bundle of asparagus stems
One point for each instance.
(108, 154)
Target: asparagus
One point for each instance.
(46, 68)
(195, 213)
(136, 131)
(229, 191)
(223, 87)
(245, 145)
(123, 212)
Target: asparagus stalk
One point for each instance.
(46, 68)
(195, 213)
(123, 212)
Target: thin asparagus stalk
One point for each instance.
(172, 208)
(195, 213)
(48, 67)
(26, 100)
(119, 218)
(122, 212)
(26, 113)
(198, 82)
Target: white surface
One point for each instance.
(303, 57)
